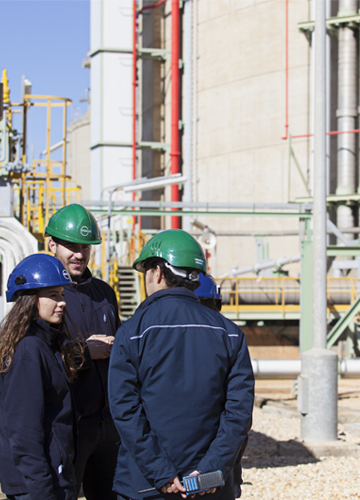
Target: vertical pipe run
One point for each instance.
(347, 115)
(286, 69)
(134, 103)
(319, 207)
(174, 153)
(188, 108)
(194, 103)
(48, 172)
(63, 164)
(317, 401)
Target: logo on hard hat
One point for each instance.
(66, 275)
(85, 231)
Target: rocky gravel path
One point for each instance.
(268, 476)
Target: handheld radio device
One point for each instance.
(198, 483)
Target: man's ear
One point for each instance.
(52, 246)
(158, 275)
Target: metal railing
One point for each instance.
(281, 294)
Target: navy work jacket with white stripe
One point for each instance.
(181, 392)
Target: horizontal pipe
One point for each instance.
(333, 132)
(291, 368)
(266, 265)
(276, 368)
(180, 204)
(150, 7)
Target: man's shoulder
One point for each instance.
(100, 284)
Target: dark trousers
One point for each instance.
(96, 460)
(61, 494)
(226, 493)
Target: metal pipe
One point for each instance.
(54, 147)
(319, 202)
(266, 265)
(195, 97)
(286, 69)
(276, 368)
(290, 368)
(4, 141)
(134, 99)
(174, 153)
(113, 189)
(346, 114)
(317, 402)
(137, 184)
(294, 207)
(188, 109)
(338, 233)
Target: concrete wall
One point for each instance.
(79, 157)
(241, 117)
(239, 123)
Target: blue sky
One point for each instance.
(46, 40)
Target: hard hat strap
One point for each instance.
(192, 276)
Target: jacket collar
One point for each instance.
(46, 332)
(180, 292)
(85, 280)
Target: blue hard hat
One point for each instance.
(208, 287)
(36, 271)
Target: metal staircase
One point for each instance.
(129, 291)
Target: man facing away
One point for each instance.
(93, 311)
(181, 385)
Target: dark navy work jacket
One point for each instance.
(181, 391)
(92, 306)
(37, 435)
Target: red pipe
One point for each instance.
(334, 132)
(134, 102)
(286, 69)
(174, 151)
(157, 4)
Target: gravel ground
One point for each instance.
(268, 476)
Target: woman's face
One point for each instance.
(51, 304)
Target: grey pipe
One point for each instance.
(188, 108)
(291, 368)
(266, 265)
(4, 156)
(319, 206)
(346, 113)
(180, 204)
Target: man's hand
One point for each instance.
(100, 346)
(173, 486)
(203, 492)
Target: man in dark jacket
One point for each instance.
(93, 312)
(180, 381)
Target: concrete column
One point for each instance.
(317, 401)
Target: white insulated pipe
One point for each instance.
(291, 368)
(266, 265)
(346, 114)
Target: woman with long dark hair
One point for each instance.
(38, 357)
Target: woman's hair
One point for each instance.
(15, 325)
(171, 279)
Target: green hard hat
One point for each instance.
(75, 224)
(175, 246)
